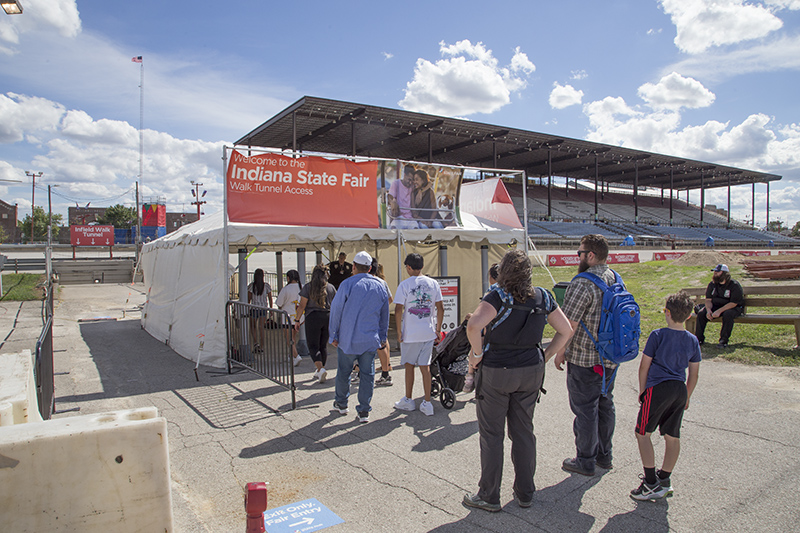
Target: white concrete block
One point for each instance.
(93, 473)
(18, 402)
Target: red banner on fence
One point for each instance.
(572, 259)
(666, 256)
(91, 235)
(788, 252)
(623, 258)
(749, 253)
(305, 191)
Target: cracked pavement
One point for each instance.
(405, 471)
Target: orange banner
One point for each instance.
(306, 191)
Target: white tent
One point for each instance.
(187, 273)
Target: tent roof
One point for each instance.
(330, 126)
(208, 230)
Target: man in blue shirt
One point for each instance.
(358, 326)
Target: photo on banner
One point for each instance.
(271, 188)
(419, 195)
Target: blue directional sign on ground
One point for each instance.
(300, 517)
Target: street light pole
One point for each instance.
(33, 176)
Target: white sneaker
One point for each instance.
(315, 375)
(297, 360)
(405, 404)
(323, 375)
(426, 408)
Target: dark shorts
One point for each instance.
(662, 407)
(258, 313)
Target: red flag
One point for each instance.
(137, 59)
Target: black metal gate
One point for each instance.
(259, 339)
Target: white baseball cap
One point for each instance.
(720, 268)
(363, 259)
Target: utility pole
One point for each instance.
(197, 197)
(33, 176)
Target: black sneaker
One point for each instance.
(571, 465)
(384, 381)
(646, 491)
(343, 410)
(363, 417)
(605, 466)
(665, 483)
(722, 344)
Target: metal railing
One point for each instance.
(43, 369)
(259, 339)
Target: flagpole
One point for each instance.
(139, 60)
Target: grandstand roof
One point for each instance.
(320, 125)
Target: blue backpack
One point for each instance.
(618, 336)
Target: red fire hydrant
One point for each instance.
(255, 503)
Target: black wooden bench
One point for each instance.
(767, 296)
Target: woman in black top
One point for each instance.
(511, 375)
(315, 302)
(424, 200)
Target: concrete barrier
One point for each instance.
(18, 403)
(92, 473)
(93, 271)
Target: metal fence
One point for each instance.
(43, 369)
(259, 339)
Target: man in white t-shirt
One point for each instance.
(418, 315)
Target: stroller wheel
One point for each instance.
(448, 398)
(435, 388)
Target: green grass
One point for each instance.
(651, 283)
(22, 287)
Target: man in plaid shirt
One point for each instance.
(594, 413)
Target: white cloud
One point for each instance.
(20, 114)
(468, 80)
(673, 91)
(99, 159)
(41, 15)
(387, 56)
(653, 31)
(564, 96)
(780, 54)
(702, 24)
(578, 74)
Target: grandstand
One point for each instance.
(572, 216)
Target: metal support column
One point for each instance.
(671, 186)
(767, 226)
(753, 206)
(596, 172)
(728, 224)
(636, 192)
(549, 184)
(484, 268)
(319, 258)
(702, 195)
(242, 275)
(279, 268)
(442, 259)
(301, 264)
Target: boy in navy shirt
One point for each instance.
(664, 394)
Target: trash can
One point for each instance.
(559, 289)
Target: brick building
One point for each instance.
(8, 221)
(176, 220)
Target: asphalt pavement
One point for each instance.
(739, 463)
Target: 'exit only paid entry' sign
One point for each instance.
(308, 515)
(91, 235)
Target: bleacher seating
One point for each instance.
(572, 215)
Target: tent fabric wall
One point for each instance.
(187, 274)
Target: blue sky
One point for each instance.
(708, 80)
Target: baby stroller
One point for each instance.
(449, 366)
